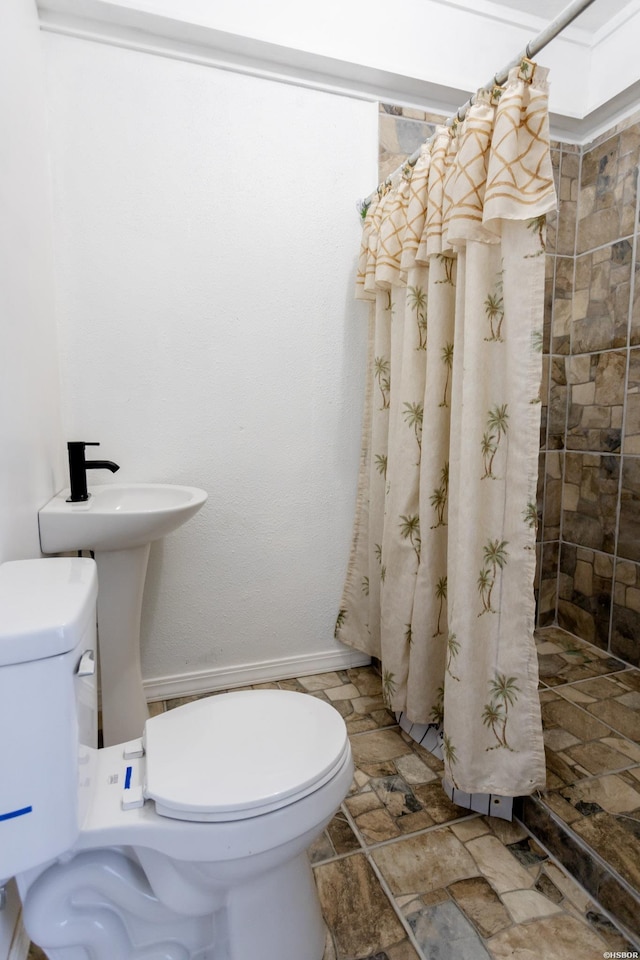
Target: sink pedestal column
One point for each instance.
(121, 576)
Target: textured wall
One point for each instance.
(30, 465)
(29, 393)
(206, 239)
(590, 476)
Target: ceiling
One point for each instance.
(592, 19)
(594, 63)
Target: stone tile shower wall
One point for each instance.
(588, 577)
(589, 554)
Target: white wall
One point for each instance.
(29, 401)
(206, 241)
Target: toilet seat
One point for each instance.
(239, 755)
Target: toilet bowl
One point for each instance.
(187, 844)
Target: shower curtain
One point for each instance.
(440, 578)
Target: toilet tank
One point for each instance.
(47, 706)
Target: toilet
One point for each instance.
(189, 843)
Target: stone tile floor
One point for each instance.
(591, 716)
(404, 874)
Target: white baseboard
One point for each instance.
(224, 678)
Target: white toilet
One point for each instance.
(188, 844)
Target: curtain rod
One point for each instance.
(534, 46)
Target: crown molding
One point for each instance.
(132, 28)
(498, 13)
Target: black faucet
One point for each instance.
(78, 467)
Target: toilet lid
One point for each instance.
(238, 755)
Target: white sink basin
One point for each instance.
(118, 522)
(117, 516)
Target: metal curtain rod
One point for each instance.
(556, 26)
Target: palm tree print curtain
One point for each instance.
(440, 579)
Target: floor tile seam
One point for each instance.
(626, 816)
(627, 668)
(563, 630)
(336, 858)
(593, 717)
(572, 683)
(363, 733)
(367, 852)
(592, 854)
(551, 858)
(365, 847)
(352, 823)
(565, 683)
(478, 874)
(592, 900)
(599, 652)
(605, 655)
(370, 847)
(582, 742)
(585, 849)
(386, 889)
(594, 776)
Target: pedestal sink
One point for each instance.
(118, 523)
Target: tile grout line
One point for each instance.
(383, 883)
(369, 849)
(545, 449)
(550, 858)
(588, 853)
(372, 847)
(624, 417)
(563, 452)
(592, 856)
(396, 908)
(601, 246)
(593, 716)
(548, 357)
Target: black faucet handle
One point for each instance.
(78, 469)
